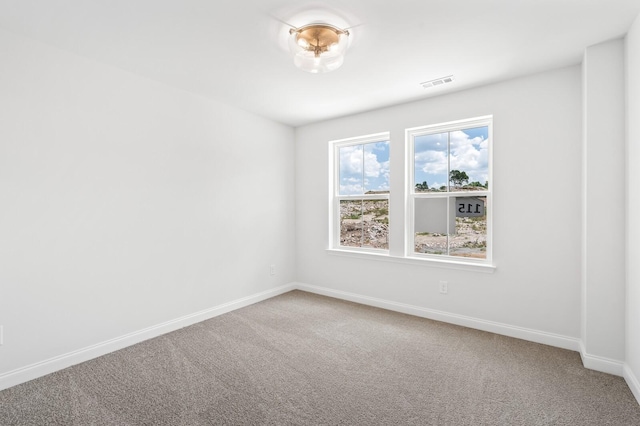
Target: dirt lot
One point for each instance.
(367, 225)
(470, 240)
(372, 217)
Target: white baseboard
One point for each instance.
(51, 365)
(531, 335)
(602, 364)
(632, 381)
(592, 362)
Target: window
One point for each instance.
(360, 188)
(449, 198)
(446, 196)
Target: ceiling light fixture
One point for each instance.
(318, 48)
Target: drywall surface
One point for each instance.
(537, 198)
(633, 200)
(603, 277)
(126, 203)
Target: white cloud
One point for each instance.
(351, 189)
(432, 162)
(384, 171)
(354, 178)
(372, 167)
(470, 155)
(465, 158)
(381, 146)
(351, 159)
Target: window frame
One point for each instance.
(334, 190)
(411, 195)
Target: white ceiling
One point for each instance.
(235, 51)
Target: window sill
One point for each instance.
(385, 257)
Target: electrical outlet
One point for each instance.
(444, 287)
(272, 269)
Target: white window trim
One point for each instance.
(411, 195)
(334, 193)
(432, 262)
(409, 257)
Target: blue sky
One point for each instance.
(468, 153)
(364, 168)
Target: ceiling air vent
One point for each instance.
(437, 82)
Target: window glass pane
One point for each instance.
(376, 224)
(351, 178)
(376, 167)
(469, 159)
(470, 239)
(364, 223)
(431, 225)
(351, 223)
(431, 166)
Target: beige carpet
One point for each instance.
(303, 359)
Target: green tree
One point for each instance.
(458, 177)
(422, 186)
(479, 185)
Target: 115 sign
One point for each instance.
(469, 207)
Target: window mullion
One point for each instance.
(448, 161)
(363, 166)
(449, 193)
(362, 220)
(448, 218)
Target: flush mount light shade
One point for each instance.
(318, 48)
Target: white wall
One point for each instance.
(537, 158)
(633, 208)
(126, 203)
(603, 204)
